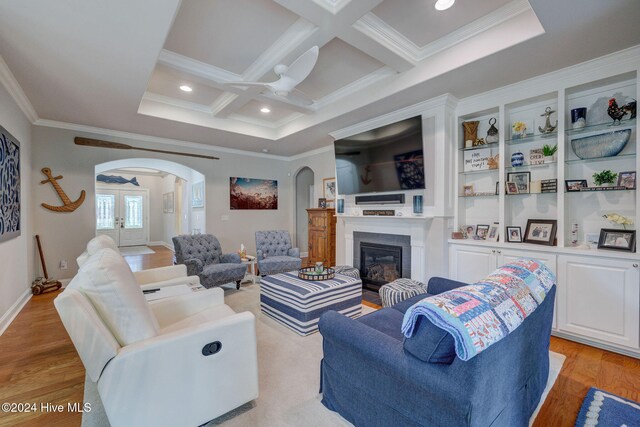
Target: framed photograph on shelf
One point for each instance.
(512, 188)
(494, 232)
(329, 189)
(514, 234)
(322, 203)
(572, 185)
(482, 231)
(627, 180)
(467, 190)
(616, 239)
(541, 231)
(469, 231)
(521, 179)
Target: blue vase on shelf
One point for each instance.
(417, 204)
(340, 206)
(517, 159)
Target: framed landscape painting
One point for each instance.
(252, 193)
(10, 226)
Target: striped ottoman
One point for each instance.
(400, 290)
(298, 304)
(347, 270)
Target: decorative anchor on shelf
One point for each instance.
(547, 125)
(68, 205)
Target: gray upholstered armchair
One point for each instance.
(202, 254)
(275, 254)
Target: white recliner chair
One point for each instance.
(180, 361)
(147, 279)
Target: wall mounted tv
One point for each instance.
(388, 158)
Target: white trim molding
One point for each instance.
(14, 310)
(8, 80)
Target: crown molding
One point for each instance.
(187, 105)
(272, 125)
(332, 6)
(446, 100)
(222, 102)
(196, 68)
(153, 139)
(480, 25)
(384, 34)
(353, 87)
(8, 80)
(311, 153)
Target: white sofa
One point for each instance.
(147, 279)
(178, 361)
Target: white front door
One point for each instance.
(123, 215)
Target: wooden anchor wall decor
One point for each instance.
(68, 205)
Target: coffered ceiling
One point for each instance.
(118, 65)
(363, 46)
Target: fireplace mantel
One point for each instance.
(417, 230)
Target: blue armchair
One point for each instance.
(275, 254)
(373, 376)
(202, 254)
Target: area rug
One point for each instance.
(289, 373)
(603, 409)
(136, 250)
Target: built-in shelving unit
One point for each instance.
(598, 290)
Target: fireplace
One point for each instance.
(379, 264)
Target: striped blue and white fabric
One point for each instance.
(399, 290)
(298, 304)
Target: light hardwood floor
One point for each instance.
(39, 364)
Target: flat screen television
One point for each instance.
(389, 158)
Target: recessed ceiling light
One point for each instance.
(185, 88)
(444, 4)
(265, 110)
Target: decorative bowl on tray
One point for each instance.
(310, 273)
(601, 145)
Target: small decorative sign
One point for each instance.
(549, 186)
(536, 156)
(477, 160)
(611, 188)
(379, 212)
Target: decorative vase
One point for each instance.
(492, 133)
(340, 206)
(579, 118)
(550, 159)
(517, 159)
(417, 204)
(319, 267)
(470, 133)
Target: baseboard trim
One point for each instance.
(592, 343)
(166, 245)
(14, 310)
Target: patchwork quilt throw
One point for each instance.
(479, 315)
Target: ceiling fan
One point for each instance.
(290, 77)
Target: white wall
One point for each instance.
(17, 268)
(66, 235)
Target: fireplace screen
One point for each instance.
(379, 264)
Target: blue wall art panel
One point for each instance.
(9, 186)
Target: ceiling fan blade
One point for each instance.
(299, 97)
(301, 67)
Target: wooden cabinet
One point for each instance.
(322, 236)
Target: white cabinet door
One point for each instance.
(599, 299)
(510, 255)
(469, 264)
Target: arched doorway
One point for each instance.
(303, 182)
(148, 201)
